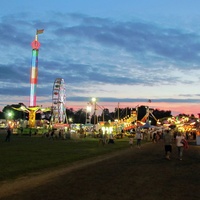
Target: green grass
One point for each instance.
(25, 154)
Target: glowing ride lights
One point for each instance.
(107, 130)
(70, 120)
(9, 117)
(58, 102)
(34, 80)
(89, 108)
(32, 113)
(34, 68)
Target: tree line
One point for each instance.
(81, 115)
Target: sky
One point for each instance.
(123, 52)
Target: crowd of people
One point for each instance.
(168, 137)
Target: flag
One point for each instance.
(40, 31)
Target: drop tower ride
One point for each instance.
(33, 108)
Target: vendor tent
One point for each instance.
(146, 126)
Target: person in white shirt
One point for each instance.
(139, 137)
(179, 145)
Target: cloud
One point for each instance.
(86, 51)
(135, 37)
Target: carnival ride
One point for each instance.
(149, 112)
(34, 68)
(58, 95)
(143, 123)
(33, 108)
(58, 102)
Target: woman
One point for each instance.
(139, 137)
(179, 145)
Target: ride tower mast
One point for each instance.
(33, 108)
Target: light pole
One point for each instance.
(147, 111)
(94, 101)
(88, 111)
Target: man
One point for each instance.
(8, 134)
(167, 137)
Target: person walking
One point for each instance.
(138, 137)
(101, 137)
(131, 142)
(8, 134)
(111, 139)
(105, 138)
(167, 138)
(179, 145)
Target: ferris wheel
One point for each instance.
(58, 101)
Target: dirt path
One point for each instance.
(129, 174)
(12, 187)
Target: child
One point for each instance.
(131, 142)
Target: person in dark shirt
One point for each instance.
(8, 134)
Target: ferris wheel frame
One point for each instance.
(58, 101)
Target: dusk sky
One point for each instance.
(126, 51)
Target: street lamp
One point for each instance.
(94, 101)
(9, 114)
(70, 120)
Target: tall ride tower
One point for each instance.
(34, 68)
(33, 108)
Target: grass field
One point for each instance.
(25, 154)
(134, 173)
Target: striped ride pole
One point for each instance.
(34, 69)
